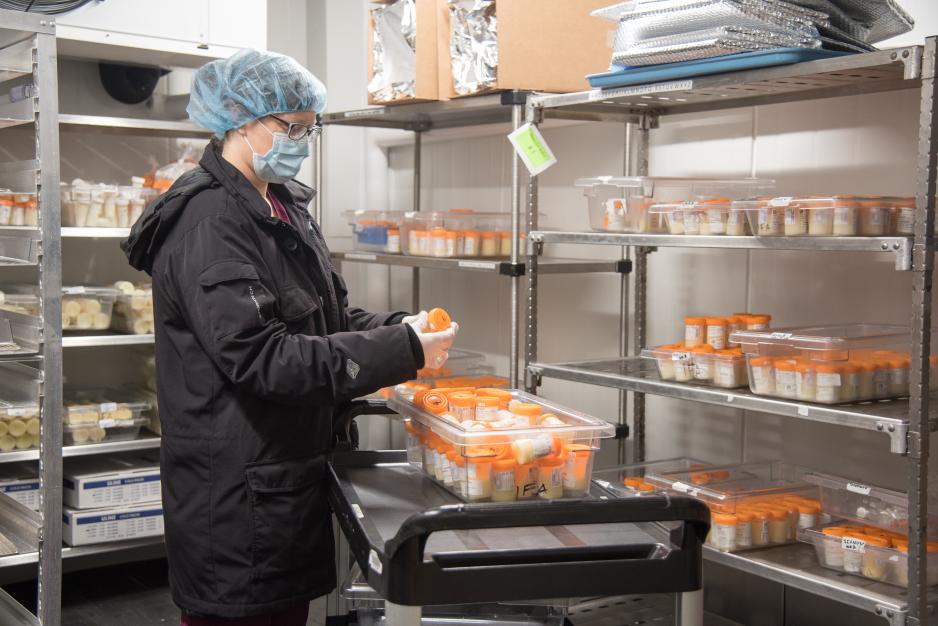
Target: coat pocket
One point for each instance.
(296, 304)
(233, 298)
(290, 516)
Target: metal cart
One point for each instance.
(417, 544)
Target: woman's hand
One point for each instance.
(435, 345)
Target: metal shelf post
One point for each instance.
(517, 118)
(923, 263)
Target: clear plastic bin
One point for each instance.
(104, 430)
(133, 313)
(103, 206)
(18, 209)
(91, 406)
(830, 364)
(708, 217)
(628, 481)
(456, 233)
(501, 445)
(814, 216)
(699, 364)
(19, 426)
(869, 504)
(376, 231)
(626, 204)
(867, 552)
(87, 308)
(26, 303)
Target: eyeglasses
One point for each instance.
(299, 132)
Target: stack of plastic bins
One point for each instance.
(831, 216)
(628, 481)
(701, 364)
(646, 204)
(456, 233)
(376, 231)
(501, 445)
(830, 364)
(753, 505)
(874, 542)
(103, 206)
(97, 415)
(133, 312)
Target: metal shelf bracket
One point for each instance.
(894, 617)
(898, 436)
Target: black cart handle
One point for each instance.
(345, 416)
(694, 515)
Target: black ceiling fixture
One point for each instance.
(129, 84)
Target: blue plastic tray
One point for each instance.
(627, 76)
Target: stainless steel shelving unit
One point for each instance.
(28, 50)
(905, 423)
(106, 339)
(507, 107)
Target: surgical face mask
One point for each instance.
(283, 161)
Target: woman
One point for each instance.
(255, 347)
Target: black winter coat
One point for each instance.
(255, 347)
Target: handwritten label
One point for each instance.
(641, 90)
(680, 356)
(852, 544)
(532, 149)
(863, 490)
(108, 407)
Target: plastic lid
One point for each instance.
(716, 321)
(785, 365)
(694, 321)
(439, 320)
(463, 399)
(435, 402)
(834, 531)
(645, 487)
(726, 519)
(632, 481)
(526, 409)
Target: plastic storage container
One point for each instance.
(628, 481)
(133, 312)
(456, 233)
(103, 206)
(626, 203)
(18, 209)
(104, 430)
(92, 406)
(532, 449)
(830, 364)
(26, 303)
(19, 426)
(869, 504)
(376, 231)
(87, 308)
(868, 552)
(700, 364)
(815, 216)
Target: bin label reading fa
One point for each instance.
(532, 149)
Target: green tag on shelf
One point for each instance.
(532, 149)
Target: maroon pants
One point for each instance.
(291, 617)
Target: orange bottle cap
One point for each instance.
(463, 400)
(695, 321)
(726, 519)
(716, 321)
(527, 409)
(487, 401)
(439, 320)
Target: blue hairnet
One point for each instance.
(229, 93)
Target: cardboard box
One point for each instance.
(96, 482)
(81, 528)
(20, 481)
(543, 45)
(428, 57)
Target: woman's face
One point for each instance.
(261, 140)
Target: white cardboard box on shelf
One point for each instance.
(94, 482)
(20, 482)
(112, 524)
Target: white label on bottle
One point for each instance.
(676, 216)
(828, 394)
(505, 481)
(477, 488)
(878, 216)
(899, 376)
(447, 471)
(725, 375)
(863, 490)
(692, 333)
(715, 217)
(844, 216)
(681, 356)
(852, 544)
(828, 380)
(819, 216)
(703, 369)
(724, 537)
(556, 478)
(792, 216)
(716, 337)
(374, 561)
(737, 218)
(906, 224)
(881, 382)
(108, 407)
(358, 256)
(781, 201)
(358, 511)
(394, 244)
(569, 473)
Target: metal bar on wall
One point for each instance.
(317, 183)
(923, 262)
(640, 278)
(533, 114)
(50, 264)
(517, 113)
(415, 272)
